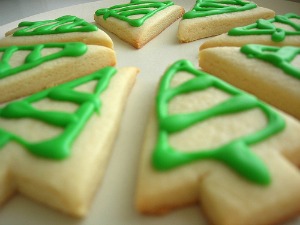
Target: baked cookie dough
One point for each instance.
(214, 17)
(63, 29)
(271, 73)
(139, 21)
(282, 30)
(210, 143)
(62, 160)
(28, 69)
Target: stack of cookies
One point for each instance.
(62, 101)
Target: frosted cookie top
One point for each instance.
(281, 30)
(134, 13)
(280, 57)
(35, 57)
(57, 147)
(214, 7)
(64, 24)
(66, 28)
(278, 27)
(236, 153)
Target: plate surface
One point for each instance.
(114, 201)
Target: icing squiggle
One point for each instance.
(35, 58)
(267, 27)
(212, 7)
(236, 154)
(145, 9)
(278, 56)
(64, 24)
(58, 147)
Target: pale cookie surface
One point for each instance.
(189, 146)
(276, 82)
(213, 18)
(138, 31)
(282, 30)
(63, 29)
(27, 69)
(63, 158)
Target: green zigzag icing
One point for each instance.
(236, 154)
(267, 27)
(58, 147)
(280, 57)
(213, 7)
(145, 9)
(64, 24)
(35, 58)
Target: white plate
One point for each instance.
(114, 201)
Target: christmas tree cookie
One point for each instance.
(27, 69)
(62, 160)
(214, 17)
(210, 143)
(271, 73)
(63, 29)
(282, 30)
(139, 21)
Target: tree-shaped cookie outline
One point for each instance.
(280, 57)
(267, 27)
(63, 24)
(58, 147)
(236, 154)
(145, 8)
(204, 8)
(35, 58)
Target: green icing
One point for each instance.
(280, 57)
(213, 7)
(35, 58)
(270, 27)
(128, 12)
(236, 154)
(64, 24)
(58, 147)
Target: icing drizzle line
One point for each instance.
(236, 154)
(145, 9)
(278, 56)
(58, 147)
(35, 58)
(267, 27)
(212, 7)
(64, 24)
